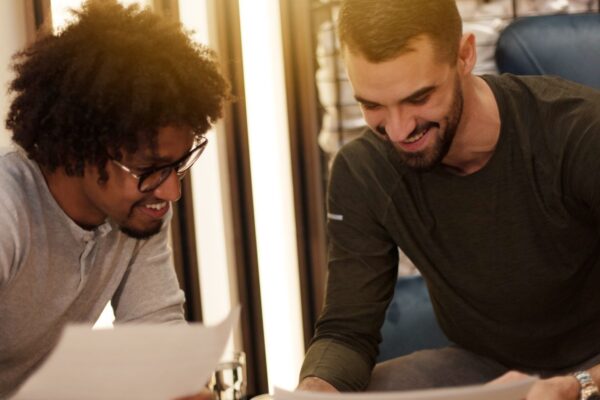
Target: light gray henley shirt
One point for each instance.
(53, 272)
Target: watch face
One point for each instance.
(589, 390)
(583, 377)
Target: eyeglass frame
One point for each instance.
(203, 141)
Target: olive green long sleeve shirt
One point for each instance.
(510, 253)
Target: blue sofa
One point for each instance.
(567, 45)
(410, 323)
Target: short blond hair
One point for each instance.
(381, 30)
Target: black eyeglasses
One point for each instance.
(154, 177)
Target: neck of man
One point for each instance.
(478, 131)
(68, 193)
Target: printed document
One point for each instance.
(504, 391)
(150, 362)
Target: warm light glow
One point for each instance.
(272, 189)
(13, 32)
(211, 237)
(62, 16)
(217, 277)
(213, 240)
(193, 15)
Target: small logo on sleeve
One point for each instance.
(335, 217)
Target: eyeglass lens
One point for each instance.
(154, 179)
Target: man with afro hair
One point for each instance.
(108, 115)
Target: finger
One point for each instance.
(510, 376)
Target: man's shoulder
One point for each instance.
(4, 149)
(549, 111)
(17, 177)
(363, 155)
(365, 169)
(14, 210)
(543, 89)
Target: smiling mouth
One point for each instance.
(156, 206)
(414, 137)
(419, 132)
(154, 210)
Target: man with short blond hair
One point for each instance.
(489, 184)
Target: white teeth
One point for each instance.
(414, 138)
(157, 206)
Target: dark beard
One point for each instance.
(136, 234)
(424, 161)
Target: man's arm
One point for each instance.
(362, 271)
(580, 164)
(314, 384)
(11, 228)
(7, 254)
(556, 388)
(338, 364)
(564, 387)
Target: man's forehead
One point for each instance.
(418, 43)
(147, 154)
(395, 79)
(166, 145)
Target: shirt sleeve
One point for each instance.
(13, 225)
(362, 271)
(7, 247)
(582, 158)
(149, 291)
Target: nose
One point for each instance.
(399, 123)
(170, 189)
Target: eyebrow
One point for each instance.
(412, 97)
(152, 157)
(153, 160)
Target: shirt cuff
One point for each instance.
(337, 364)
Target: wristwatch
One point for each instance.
(589, 390)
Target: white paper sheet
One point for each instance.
(130, 362)
(505, 391)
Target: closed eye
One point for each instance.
(419, 100)
(143, 170)
(369, 106)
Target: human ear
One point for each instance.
(467, 54)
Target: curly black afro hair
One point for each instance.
(107, 83)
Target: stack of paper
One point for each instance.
(130, 362)
(505, 391)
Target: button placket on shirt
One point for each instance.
(86, 260)
(88, 255)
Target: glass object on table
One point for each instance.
(228, 382)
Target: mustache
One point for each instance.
(419, 128)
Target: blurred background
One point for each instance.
(250, 228)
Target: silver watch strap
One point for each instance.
(589, 390)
